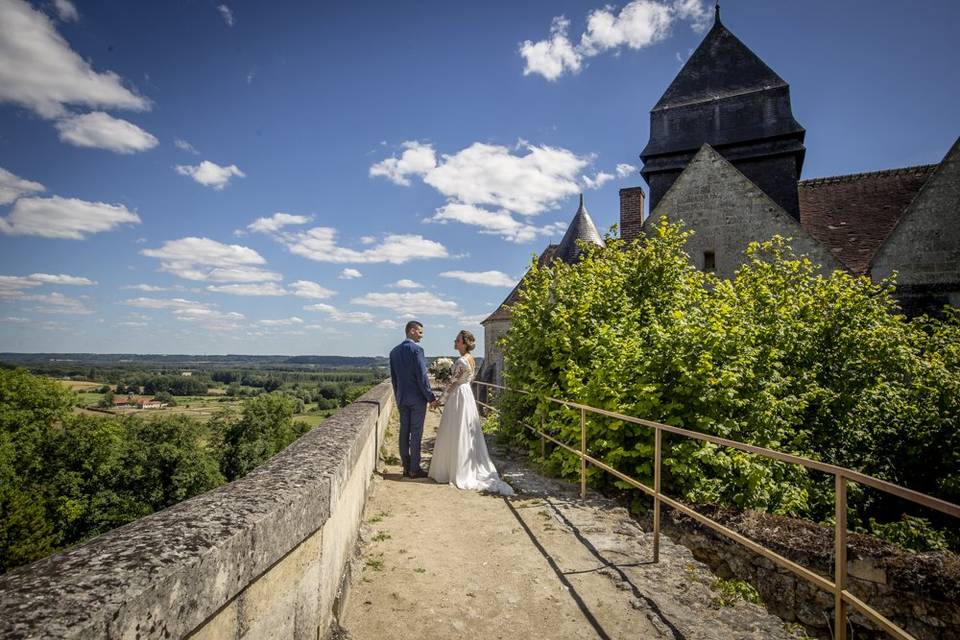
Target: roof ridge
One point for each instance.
(849, 177)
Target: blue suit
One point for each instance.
(408, 373)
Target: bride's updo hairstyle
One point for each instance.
(467, 338)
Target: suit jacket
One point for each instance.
(408, 373)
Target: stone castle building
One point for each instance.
(725, 156)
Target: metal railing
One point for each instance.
(838, 587)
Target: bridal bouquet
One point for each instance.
(441, 369)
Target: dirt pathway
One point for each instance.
(437, 562)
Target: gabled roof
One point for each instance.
(852, 215)
(721, 66)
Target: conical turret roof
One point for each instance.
(721, 66)
(581, 228)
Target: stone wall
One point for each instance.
(727, 211)
(920, 592)
(260, 557)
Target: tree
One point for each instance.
(265, 428)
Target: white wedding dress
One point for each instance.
(460, 455)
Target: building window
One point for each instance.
(709, 261)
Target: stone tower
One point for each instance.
(727, 97)
(498, 322)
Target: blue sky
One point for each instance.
(301, 178)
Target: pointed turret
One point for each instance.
(727, 97)
(581, 228)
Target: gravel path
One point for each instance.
(435, 562)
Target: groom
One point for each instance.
(408, 373)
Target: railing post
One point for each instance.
(543, 440)
(657, 444)
(840, 559)
(583, 454)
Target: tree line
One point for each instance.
(65, 478)
(781, 356)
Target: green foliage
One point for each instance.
(729, 592)
(265, 428)
(781, 356)
(911, 533)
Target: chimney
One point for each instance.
(631, 212)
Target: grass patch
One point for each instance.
(380, 537)
(419, 570)
(375, 563)
(729, 592)
(378, 518)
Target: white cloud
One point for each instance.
(149, 288)
(12, 187)
(285, 322)
(489, 278)
(210, 174)
(349, 274)
(473, 320)
(308, 289)
(624, 169)
(163, 303)
(262, 289)
(417, 159)
(183, 145)
(66, 10)
(102, 131)
(16, 320)
(640, 24)
(349, 317)
(388, 324)
(417, 303)
(368, 239)
(58, 303)
(551, 58)
(226, 14)
(276, 222)
(597, 181)
(500, 223)
(11, 287)
(39, 70)
(405, 283)
(211, 319)
(320, 244)
(205, 259)
(486, 174)
(69, 218)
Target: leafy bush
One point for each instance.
(781, 356)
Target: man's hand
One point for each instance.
(435, 404)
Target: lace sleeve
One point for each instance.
(459, 375)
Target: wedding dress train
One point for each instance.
(460, 455)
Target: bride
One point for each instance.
(460, 455)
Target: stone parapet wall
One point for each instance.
(918, 591)
(260, 557)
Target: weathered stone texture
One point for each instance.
(206, 559)
(925, 247)
(727, 211)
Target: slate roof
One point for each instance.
(852, 215)
(721, 66)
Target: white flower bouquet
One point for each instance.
(441, 369)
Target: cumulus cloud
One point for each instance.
(500, 222)
(597, 181)
(102, 131)
(417, 159)
(204, 314)
(276, 222)
(149, 288)
(308, 289)
(349, 274)
(639, 24)
(226, 14)
(68, 218)
(163, 303)
(416, 303)
(39, 70)
(283, 322)
(250, 289)
(57, 303)
(624, 169)
(349, 317)
(406, 283)
(489, 278)
(194, 258)
(320, 244)
(210, 174)
(66, 10)
(12, 187)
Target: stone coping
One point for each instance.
(165, 574)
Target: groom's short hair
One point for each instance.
(411, 325)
